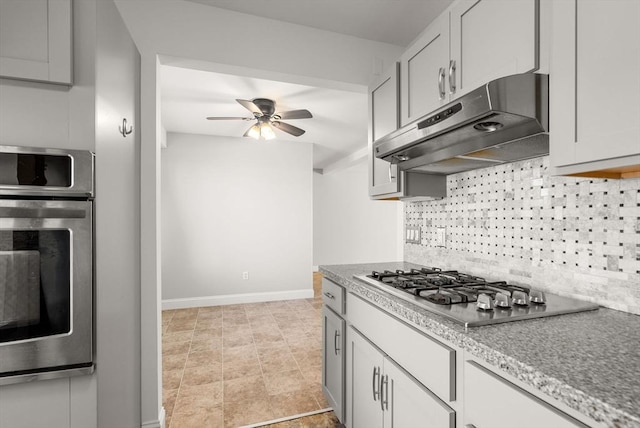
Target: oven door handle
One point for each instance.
(42, 212)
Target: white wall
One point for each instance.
(117, 215)
(233, 205)
(195, 31)
(348, 227)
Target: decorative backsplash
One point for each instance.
(516, 222)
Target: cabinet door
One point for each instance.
(383, 119)
(407, 403)
(595, 85)
(422, 85)
(480, 55)
(333, 360)
(365, 364)
(35, 404)
(483, 389)
(35, 40)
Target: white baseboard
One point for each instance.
(156, 424)
(234, 299)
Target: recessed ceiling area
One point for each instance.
(337, 129)
(397, 22)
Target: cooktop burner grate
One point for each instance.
(469, 299)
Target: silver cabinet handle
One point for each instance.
(329, 295)
(469, 426)
(376, 373)
(123, 129)
(384, 393)
(452, 76)
(336, 335)
(391, 176)
(441, 90)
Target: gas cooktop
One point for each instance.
(472, 300)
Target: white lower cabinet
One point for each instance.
(333, 329)
(382, 394)
(492, 401)
(35, 405)
(399, 376)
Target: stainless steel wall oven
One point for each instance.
(46, 263)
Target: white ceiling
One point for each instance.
(339, 124)
(390, 21)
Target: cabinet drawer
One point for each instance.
(429, 361)
(333, 296)
(483, 389)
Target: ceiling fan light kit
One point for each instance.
(264, 113)
(266, 131)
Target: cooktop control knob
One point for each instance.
(503, 300)
(520, 298)
(484, 302)
(537, 296)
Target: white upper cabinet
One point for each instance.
(423, 72)
(472, 43)
(595, 88)
(36, 40)
(383, 119)
(491, 39)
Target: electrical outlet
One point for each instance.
(441, 236)
(413, 235)
(245, 275)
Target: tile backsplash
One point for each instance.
(516, 222)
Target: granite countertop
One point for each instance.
(589, 361)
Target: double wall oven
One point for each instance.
(46, 263)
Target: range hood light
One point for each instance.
(488, 126)
(401, 158)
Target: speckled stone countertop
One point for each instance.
(589, 361)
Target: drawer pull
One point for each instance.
(329, 295)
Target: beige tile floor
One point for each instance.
(244, 364)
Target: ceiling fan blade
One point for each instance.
(289, 129)
(249, 105)
(230, 118)
(295, 114)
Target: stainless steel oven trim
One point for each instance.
(75, 347)
(30, 377)
(82, 168)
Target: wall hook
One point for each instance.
(123, 129)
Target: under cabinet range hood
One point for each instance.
(502, 121)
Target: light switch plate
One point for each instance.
(413, 235)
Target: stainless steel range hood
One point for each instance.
(502, 121)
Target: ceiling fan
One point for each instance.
(264, 113)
